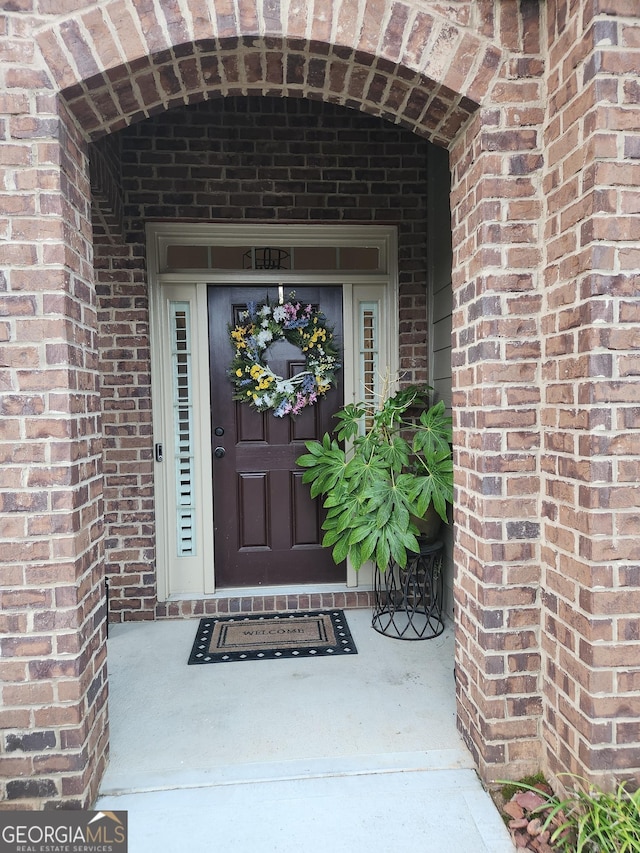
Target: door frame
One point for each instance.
(379, 287)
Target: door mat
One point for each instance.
(272, 635)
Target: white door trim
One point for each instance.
(194, 577)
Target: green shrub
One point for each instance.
(589, 820)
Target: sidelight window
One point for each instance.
(369, 353)
(181, 357)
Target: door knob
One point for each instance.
(219, 452)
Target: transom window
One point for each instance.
(277, 257)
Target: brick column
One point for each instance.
(591, 405)
(52, 652)
(496, 209)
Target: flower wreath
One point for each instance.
(261, 325)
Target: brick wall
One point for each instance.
(591, 403)
(233, 159)
(52, 653)
(496, 205)
(106, 191)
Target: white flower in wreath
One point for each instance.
(263, 337)
(279, 313)
(264, 311)
(284, 387)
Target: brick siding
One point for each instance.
(538, 104)
(496, 208)
(52, 646)
(591, 414)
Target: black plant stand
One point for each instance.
(408, 602)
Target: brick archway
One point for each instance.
(122, 62)
(469, 83)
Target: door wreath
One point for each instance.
(260, 326)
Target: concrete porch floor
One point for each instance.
(350, 753)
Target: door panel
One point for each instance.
(253, 491)
(303, 523)
(267, 529)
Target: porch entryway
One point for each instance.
(356, 753)
(218, 194)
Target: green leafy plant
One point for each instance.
(590, 820)
(393, 469)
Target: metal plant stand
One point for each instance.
(408, 602)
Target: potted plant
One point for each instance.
(392, 470)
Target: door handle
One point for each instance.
(219, 452)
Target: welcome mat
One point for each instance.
(272, 635)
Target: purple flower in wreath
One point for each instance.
(291, 310)
(308, 384)
(301, 401)
(297, 324)
(283, 409)
(253, 349)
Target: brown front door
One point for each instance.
(267, 529)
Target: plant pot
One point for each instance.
(408, 602)
(429, 525)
